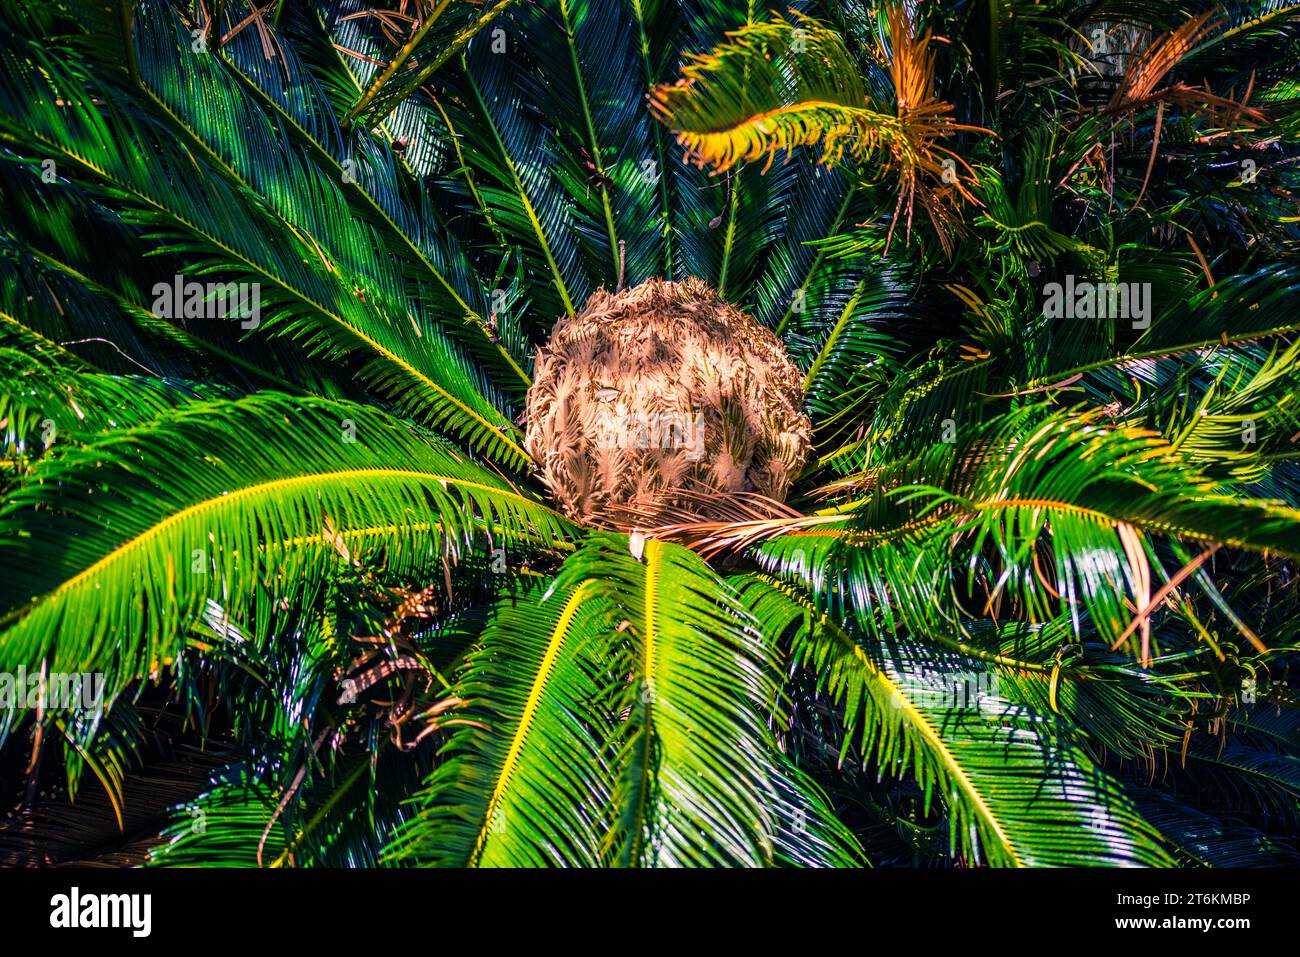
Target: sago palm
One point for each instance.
(985, 552)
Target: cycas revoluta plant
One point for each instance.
(273, 283)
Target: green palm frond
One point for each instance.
(523, 781)
(337, 298)
(129, 534)
(337, 821)
(775, 86)
(564, 759)
(779, 85)
(1067, 529)
(1205, 840)
(1016, 794)
(689, 786)
(385, 90)
(848, 355)
(429, 252)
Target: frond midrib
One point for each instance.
(262, 488)
(532, 702)
(920, 721)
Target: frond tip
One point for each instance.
(779, 85)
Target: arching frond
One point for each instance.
(523, 781)
(1016, 794)
(112, 548)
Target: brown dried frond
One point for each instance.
(1150, 66)
(661, 398)
(928, 170)
(710, 539)
(1141, 84)
(706, 507)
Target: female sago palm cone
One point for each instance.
(661, 397)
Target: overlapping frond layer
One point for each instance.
(1016, 793)
(112, 548)
(524, 781)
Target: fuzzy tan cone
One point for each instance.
(656, 398)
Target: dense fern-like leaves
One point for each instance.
(111, 548)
